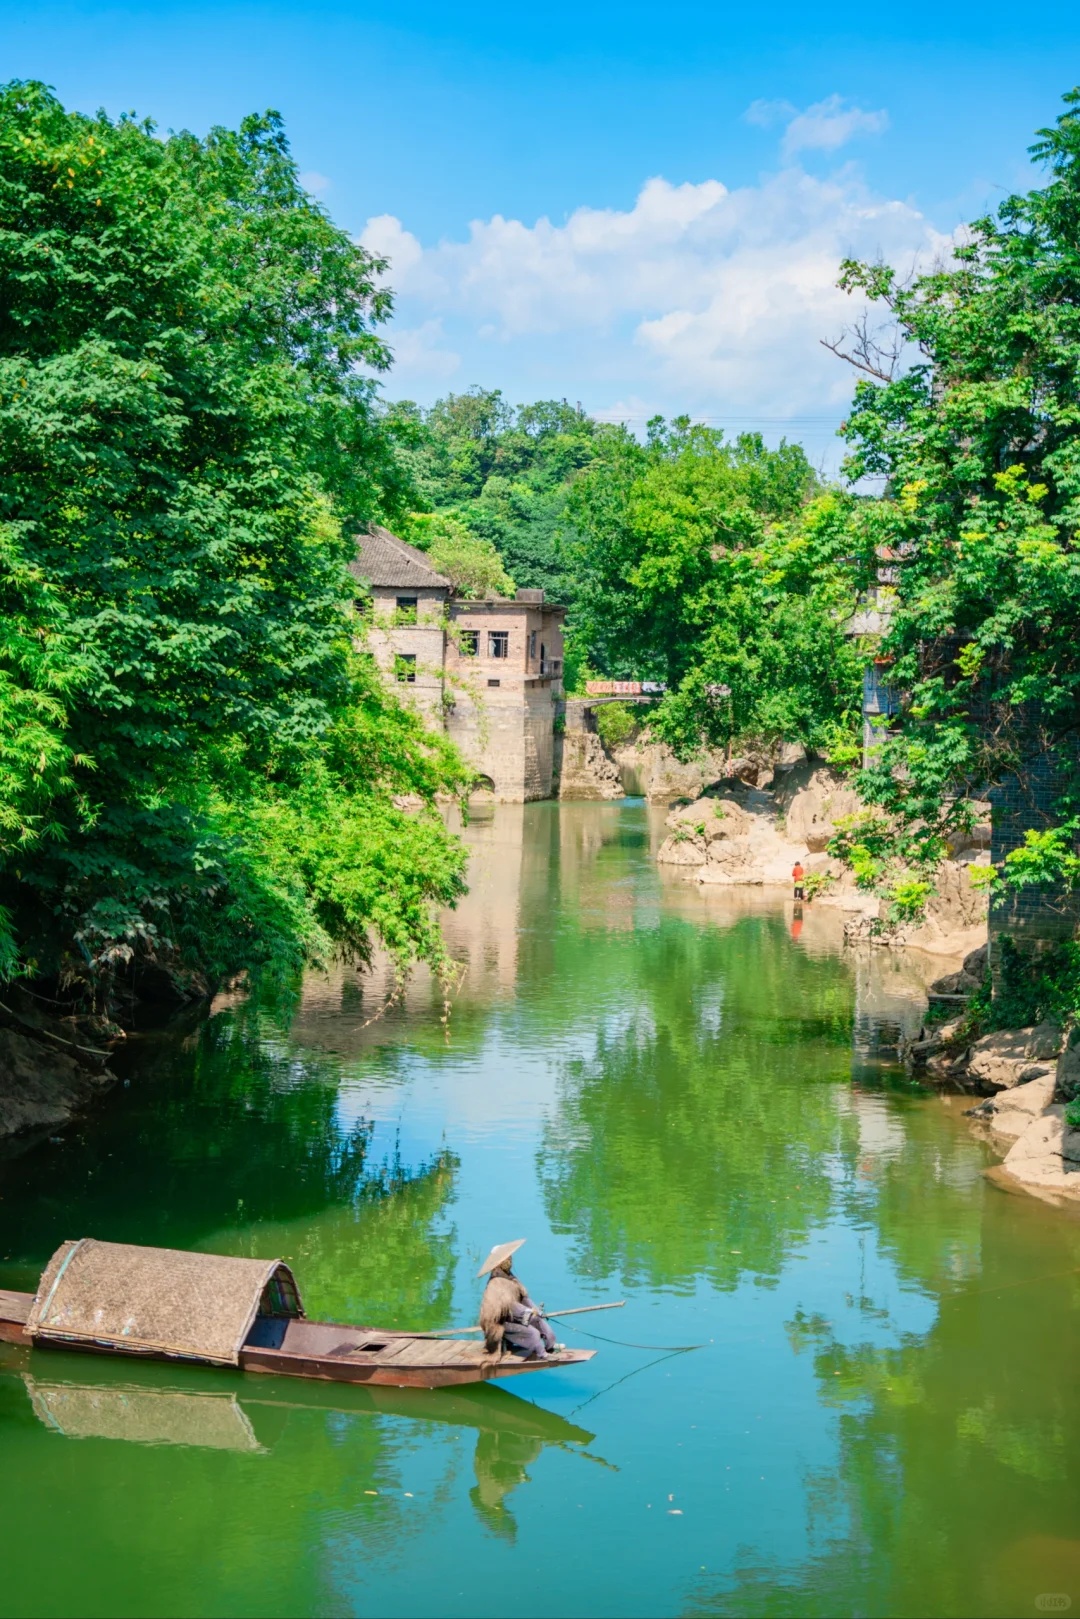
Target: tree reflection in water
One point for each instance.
(702, 1136)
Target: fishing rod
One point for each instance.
(584, 1309)
(580, 1309)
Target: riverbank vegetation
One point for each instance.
(731, 574)
(200, 771)
(200, 768)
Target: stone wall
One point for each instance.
(586, 772)
(507, 735)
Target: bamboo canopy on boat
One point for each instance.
(158, 1300)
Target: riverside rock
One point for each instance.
(1009, 1115)
(1046, 1157)
(1067, 1088)
(41, 1087)
(1010, 1057)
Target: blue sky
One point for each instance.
(635, 208)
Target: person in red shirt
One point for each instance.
(797, 875)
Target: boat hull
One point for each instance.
(330, 1352)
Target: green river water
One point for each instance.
(680, 1099)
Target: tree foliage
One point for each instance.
(195, 765)
(503, 474)
(470, 562)
(978, 440)
(719, 569)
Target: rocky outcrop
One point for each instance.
(1022, 1074)
(739, 834)
(663, 779)
(811, 799)
(41, 1085)
(586, 771)
(1045, 1159)
(966, 980)
(1067, 1087)
(729, 837)
(1011, 1057)
(954, 921)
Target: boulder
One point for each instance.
(1046, 1157)
(682, 851)
(1044, 1041)
(1010, 1114)
(1010, 1057)
(716, 817)
(958, 983)
(40, 1085)
(1068, 1068)
(585, 771)
(732, 860)
(812, 799)
(664, 778)
(954, 920)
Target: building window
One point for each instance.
(543, 659)
(498, 643)
(364, 606)
(532, 646)
(406, 609)
(405, 667)
(493, 682)
(470, 643)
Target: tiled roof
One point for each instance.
(383, 559)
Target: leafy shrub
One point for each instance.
(470, 562)
(616, 723)
(816, 882)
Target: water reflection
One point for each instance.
(233, 1142)
(690, 1143)
(133, 1407)
(142, 1416)
(672, 1091)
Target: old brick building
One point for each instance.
(487, 672)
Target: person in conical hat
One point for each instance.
(508, 1315)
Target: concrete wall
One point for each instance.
(507, 734)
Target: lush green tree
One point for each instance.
(196, 768)
(470, 562)
(978, 439)
(502, 474)
(719, 569)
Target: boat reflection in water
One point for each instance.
(510, 1432)
(142, 1416)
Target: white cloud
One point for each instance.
(698, 297)
(768, 113)
(387, 239)
(830, 124)
(418, 352)
(314, 182)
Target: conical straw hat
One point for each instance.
(498, 1254)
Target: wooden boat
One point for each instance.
(119, 1299)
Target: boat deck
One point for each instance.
(352, 1354)
(331, 1351)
